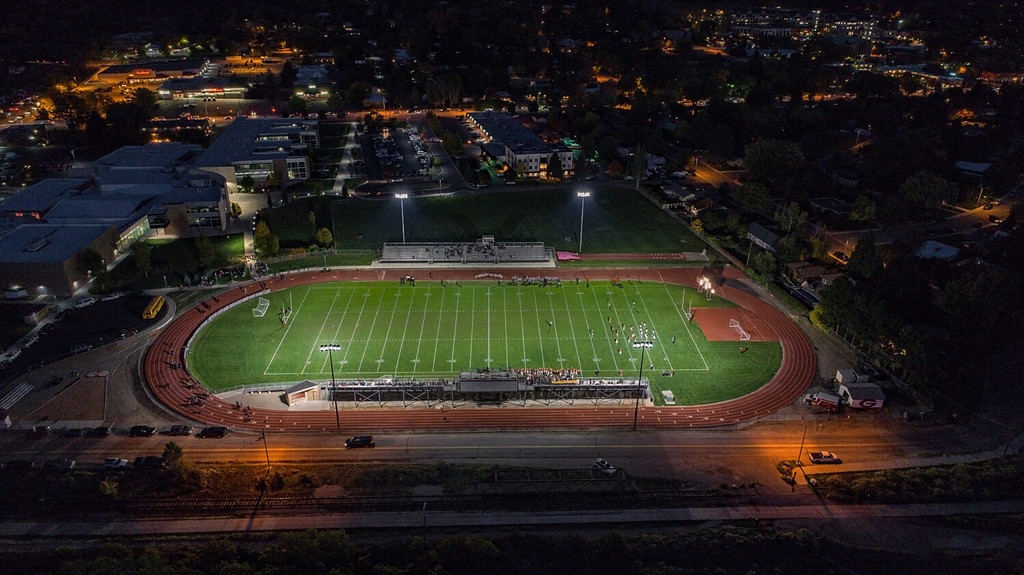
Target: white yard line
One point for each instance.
(437, 335)
(504, 310)
(337, 330)
(387, 334)
(575, 344)
(355, 326)
(423, 324)
(611, 345)
(540, 334)
(488, 359)
(455, 327)
(686, 324)
(373, 324)
(323, 324)
(285, 335)
(405, 330)
(472, 326)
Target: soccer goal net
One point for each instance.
(262, 305)
(735, 324)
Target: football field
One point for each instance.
(430, 330)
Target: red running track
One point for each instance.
(165, 373)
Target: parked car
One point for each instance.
(604, 467)
(115, 463)
(148, 462)
(141, 431)
(112, 296)
(63, 464)
(101, 431)
(180, 430)
(38, 431)
(18, 465)
(824, 457)
(84, 302)
(360, 441)
(215, 432)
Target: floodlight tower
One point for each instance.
(401, 198)
(330, 349)
(583, 201)
(644, 346)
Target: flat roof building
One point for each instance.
(525, 152)
(259, 147)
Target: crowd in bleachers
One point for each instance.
(464, 252)
(545, 375)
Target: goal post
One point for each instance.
(735, 324)
(262, 305)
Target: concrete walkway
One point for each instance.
(346, 160)
(483, 519)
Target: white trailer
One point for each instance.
(862, 395)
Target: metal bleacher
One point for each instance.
(464, 252)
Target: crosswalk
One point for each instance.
(15, 395)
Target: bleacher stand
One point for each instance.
(483, 251)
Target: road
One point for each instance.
(706, 458)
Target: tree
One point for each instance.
(863, 209)
(865, 261)
(792, 217)
(91, 262)
(145, 100)
(752, 196)
(246, 184)
(926, 190)
(773, 161)
(297, 105)
(142, 256)
(265, 242)
(325, 238)
(555, 167)
(172, 454)
(236, 209)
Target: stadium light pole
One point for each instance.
(644, 346)
(330, 349)
(401, 199)
(583, 201)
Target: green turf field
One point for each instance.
(615, 220)
(430, 331)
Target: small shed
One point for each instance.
(303, 391)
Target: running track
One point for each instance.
(174, 387)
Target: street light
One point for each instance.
(644, 346)
(263, 436)
(401, 198)
(583, 201)
(330, 349)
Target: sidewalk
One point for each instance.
(443, 519)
